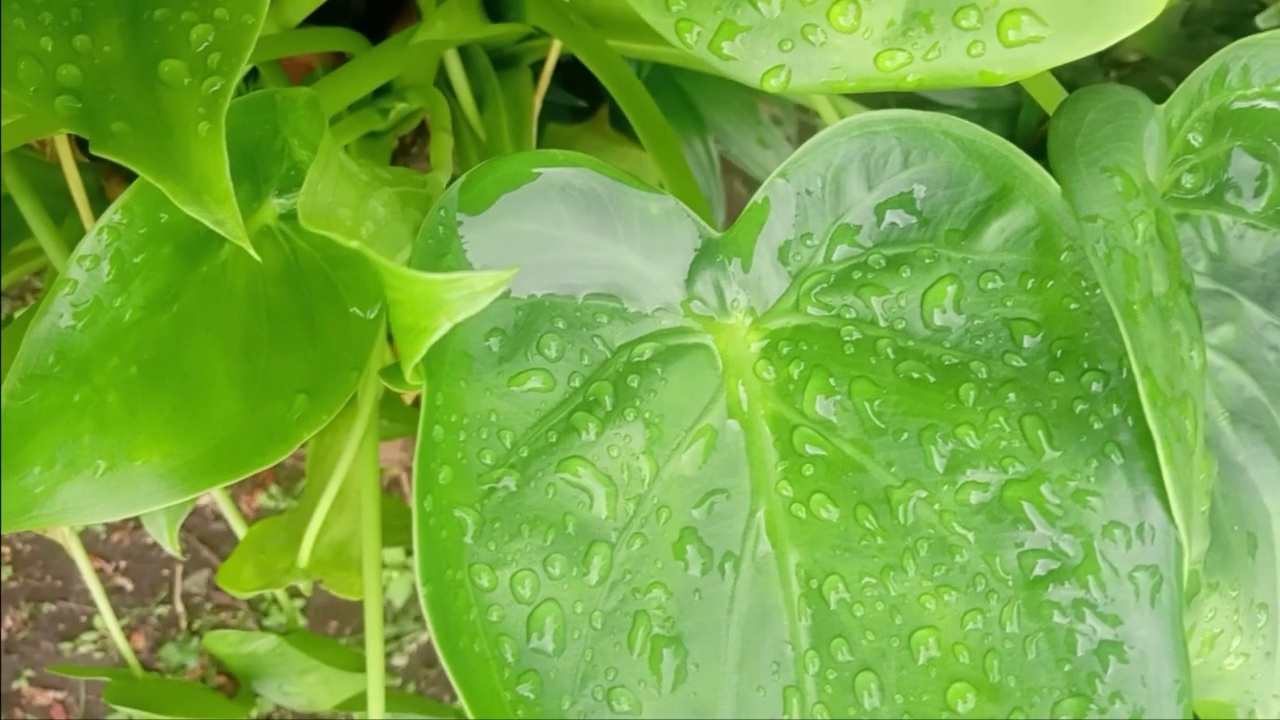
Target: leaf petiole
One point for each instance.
(32, 210)
(1045, 89)
(69, 539)
(375, 643)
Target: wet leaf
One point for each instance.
(860, 45)
(148, 84)
(154, 371)
(298, 670)
(1196, 179)
(874, 451)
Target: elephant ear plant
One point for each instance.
(972, 411)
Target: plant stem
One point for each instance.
(240, 527)
(75, 183)
(827, 112)
(375, 643)
(457, 75)
(364, 74)
(544, 83)
(286, 14)
(32, 210)
(305, 41)
(70, 541)
(1045, 89)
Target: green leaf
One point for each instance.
(396, 419)
(148, 85)
(326, 519)
(695, 138)
(1194, 179)
(860, 45)
(874, 451)
(298, 670)
(154, 371)
(47, 180)
(165, 524)
(755, 131)
(151, 696)
(459, 22)
(598, 138)
(13, 335)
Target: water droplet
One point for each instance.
(867, 688)
(545, 628)
(841, 651)
(926, 644)
(69, 76)
(940, 303)
(597, 563)
(483, 577)
(967, 17)
(203, 127)
(46, 43)
(1024, 332)
(556, 565)
(200, 37)
(786, 45)
(533, 380)
(214, 61)
(67, 105)
(174, 72)
(669, 662)
(724, 40)
(525, 586)
(212, 84)
(962, 697)
(823, 507)
(835, 590)
(976, 49)
(813, 34)
(601, 392)
(30, 71)
(1036, 432)
(599, 490)
(893, 59)
(120, 127)
(1075, 706)
(689, 32)
(551, 346)
(692, 552)
(1095, 381)
(587, 425)
(1021, 26)
(528, 684)
(776, 78)
(82, 44)
(622, 701)
(845, 16)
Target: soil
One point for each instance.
(47, 616)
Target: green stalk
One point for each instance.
(307, 41)
(32, 210)
(287, 14)
(827, 112)
(657, 136)
(69, 539)
(364, 74)
(1045, 90)
(240, 527)
(375, 643)
(457, 75)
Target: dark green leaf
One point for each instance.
(160, 697)
(47, 180)
(860, 45)
(165, 525)
(164, 364)
(405, 705)
(396, 419)
(298, 670)
(874, 451)
(147, 84)
(1196, 179)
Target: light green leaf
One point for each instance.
(596, 137)
(165, 525)
(152, 696)
(875, 451)
(47, 180)
(754, 130)
(326, 518)
(1196, 179)
(164, 364)
(401, 704)
(148, 84)
(695, 138)
(864, 45)
(298, 670)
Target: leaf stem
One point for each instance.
(240, 527)
(1045, 89)
(32, 210)
(369, 71)
(69, 539)
(826, 111)
(375, 643)
(305, 41)
(75, 182)
(287, 14)
(544, 83)
(457, 74)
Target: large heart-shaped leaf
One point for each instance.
(1199, 178)
(147, 83)
(862, 45)
(165, 362)
(875, 451)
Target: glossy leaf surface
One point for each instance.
(148, 84)
(861, 45)
(872, 452)
(298, 670)
(1197, 179)
(166, 362)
